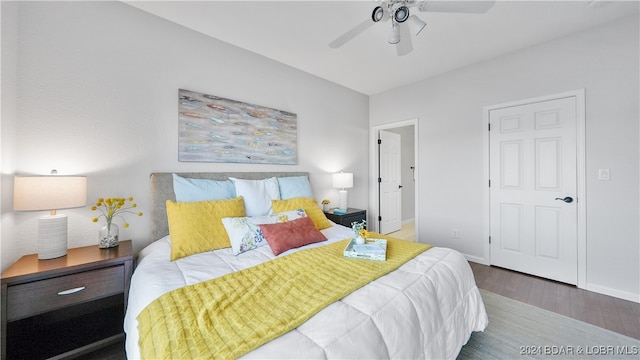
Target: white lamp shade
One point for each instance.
(416, 24)
(34, 193)
(343, 180)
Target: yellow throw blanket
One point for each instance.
(226, 317)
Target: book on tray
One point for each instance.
(372, 249)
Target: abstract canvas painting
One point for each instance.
(215, 129)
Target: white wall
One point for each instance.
(605, 62)
(8, 66)
(97, 87)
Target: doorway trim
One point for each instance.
(579, 95)
(374, 211)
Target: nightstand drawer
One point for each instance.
(36, 297)
(348, 220)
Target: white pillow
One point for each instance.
(257, 195)
(245, 234)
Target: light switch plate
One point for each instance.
(603, 174)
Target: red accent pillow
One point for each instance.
(291, 234)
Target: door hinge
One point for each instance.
(379, 180)
(379, 141)
(489, 239)
(489, 126)
(379, 218)
(489, 182)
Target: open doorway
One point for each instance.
(391, 197)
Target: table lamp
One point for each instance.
(38, 193)
(343, 181)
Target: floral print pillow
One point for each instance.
(245, 234)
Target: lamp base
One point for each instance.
(52, 236)
(343, 200)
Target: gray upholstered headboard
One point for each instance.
(162, 190)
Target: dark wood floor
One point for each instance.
(604, 311)
(608, 312)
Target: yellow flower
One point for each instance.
(111, 208)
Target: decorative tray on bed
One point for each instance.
(372, 249)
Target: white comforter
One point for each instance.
(425, 309)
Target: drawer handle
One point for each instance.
(71, 291)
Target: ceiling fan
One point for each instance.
(403, 23)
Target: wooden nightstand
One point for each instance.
(66, 306)
(352, 215)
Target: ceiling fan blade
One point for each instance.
(470, 7)
(405, 45)
(350, 34)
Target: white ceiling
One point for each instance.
(297, 33)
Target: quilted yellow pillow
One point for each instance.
(308, 204)
(197, 227)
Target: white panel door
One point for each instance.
(533, 171)
(390, 182)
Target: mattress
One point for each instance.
(427, 308)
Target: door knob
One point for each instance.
(399, 186)
(567, 199)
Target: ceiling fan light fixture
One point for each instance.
(401, 14)
(394, 37)
(378, 14)
(416, 24)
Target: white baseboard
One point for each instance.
(408, 221)
(613, 292)
(476, 259)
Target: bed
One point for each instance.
(426, 308)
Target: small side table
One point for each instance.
(66, 306)
(352, 215)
